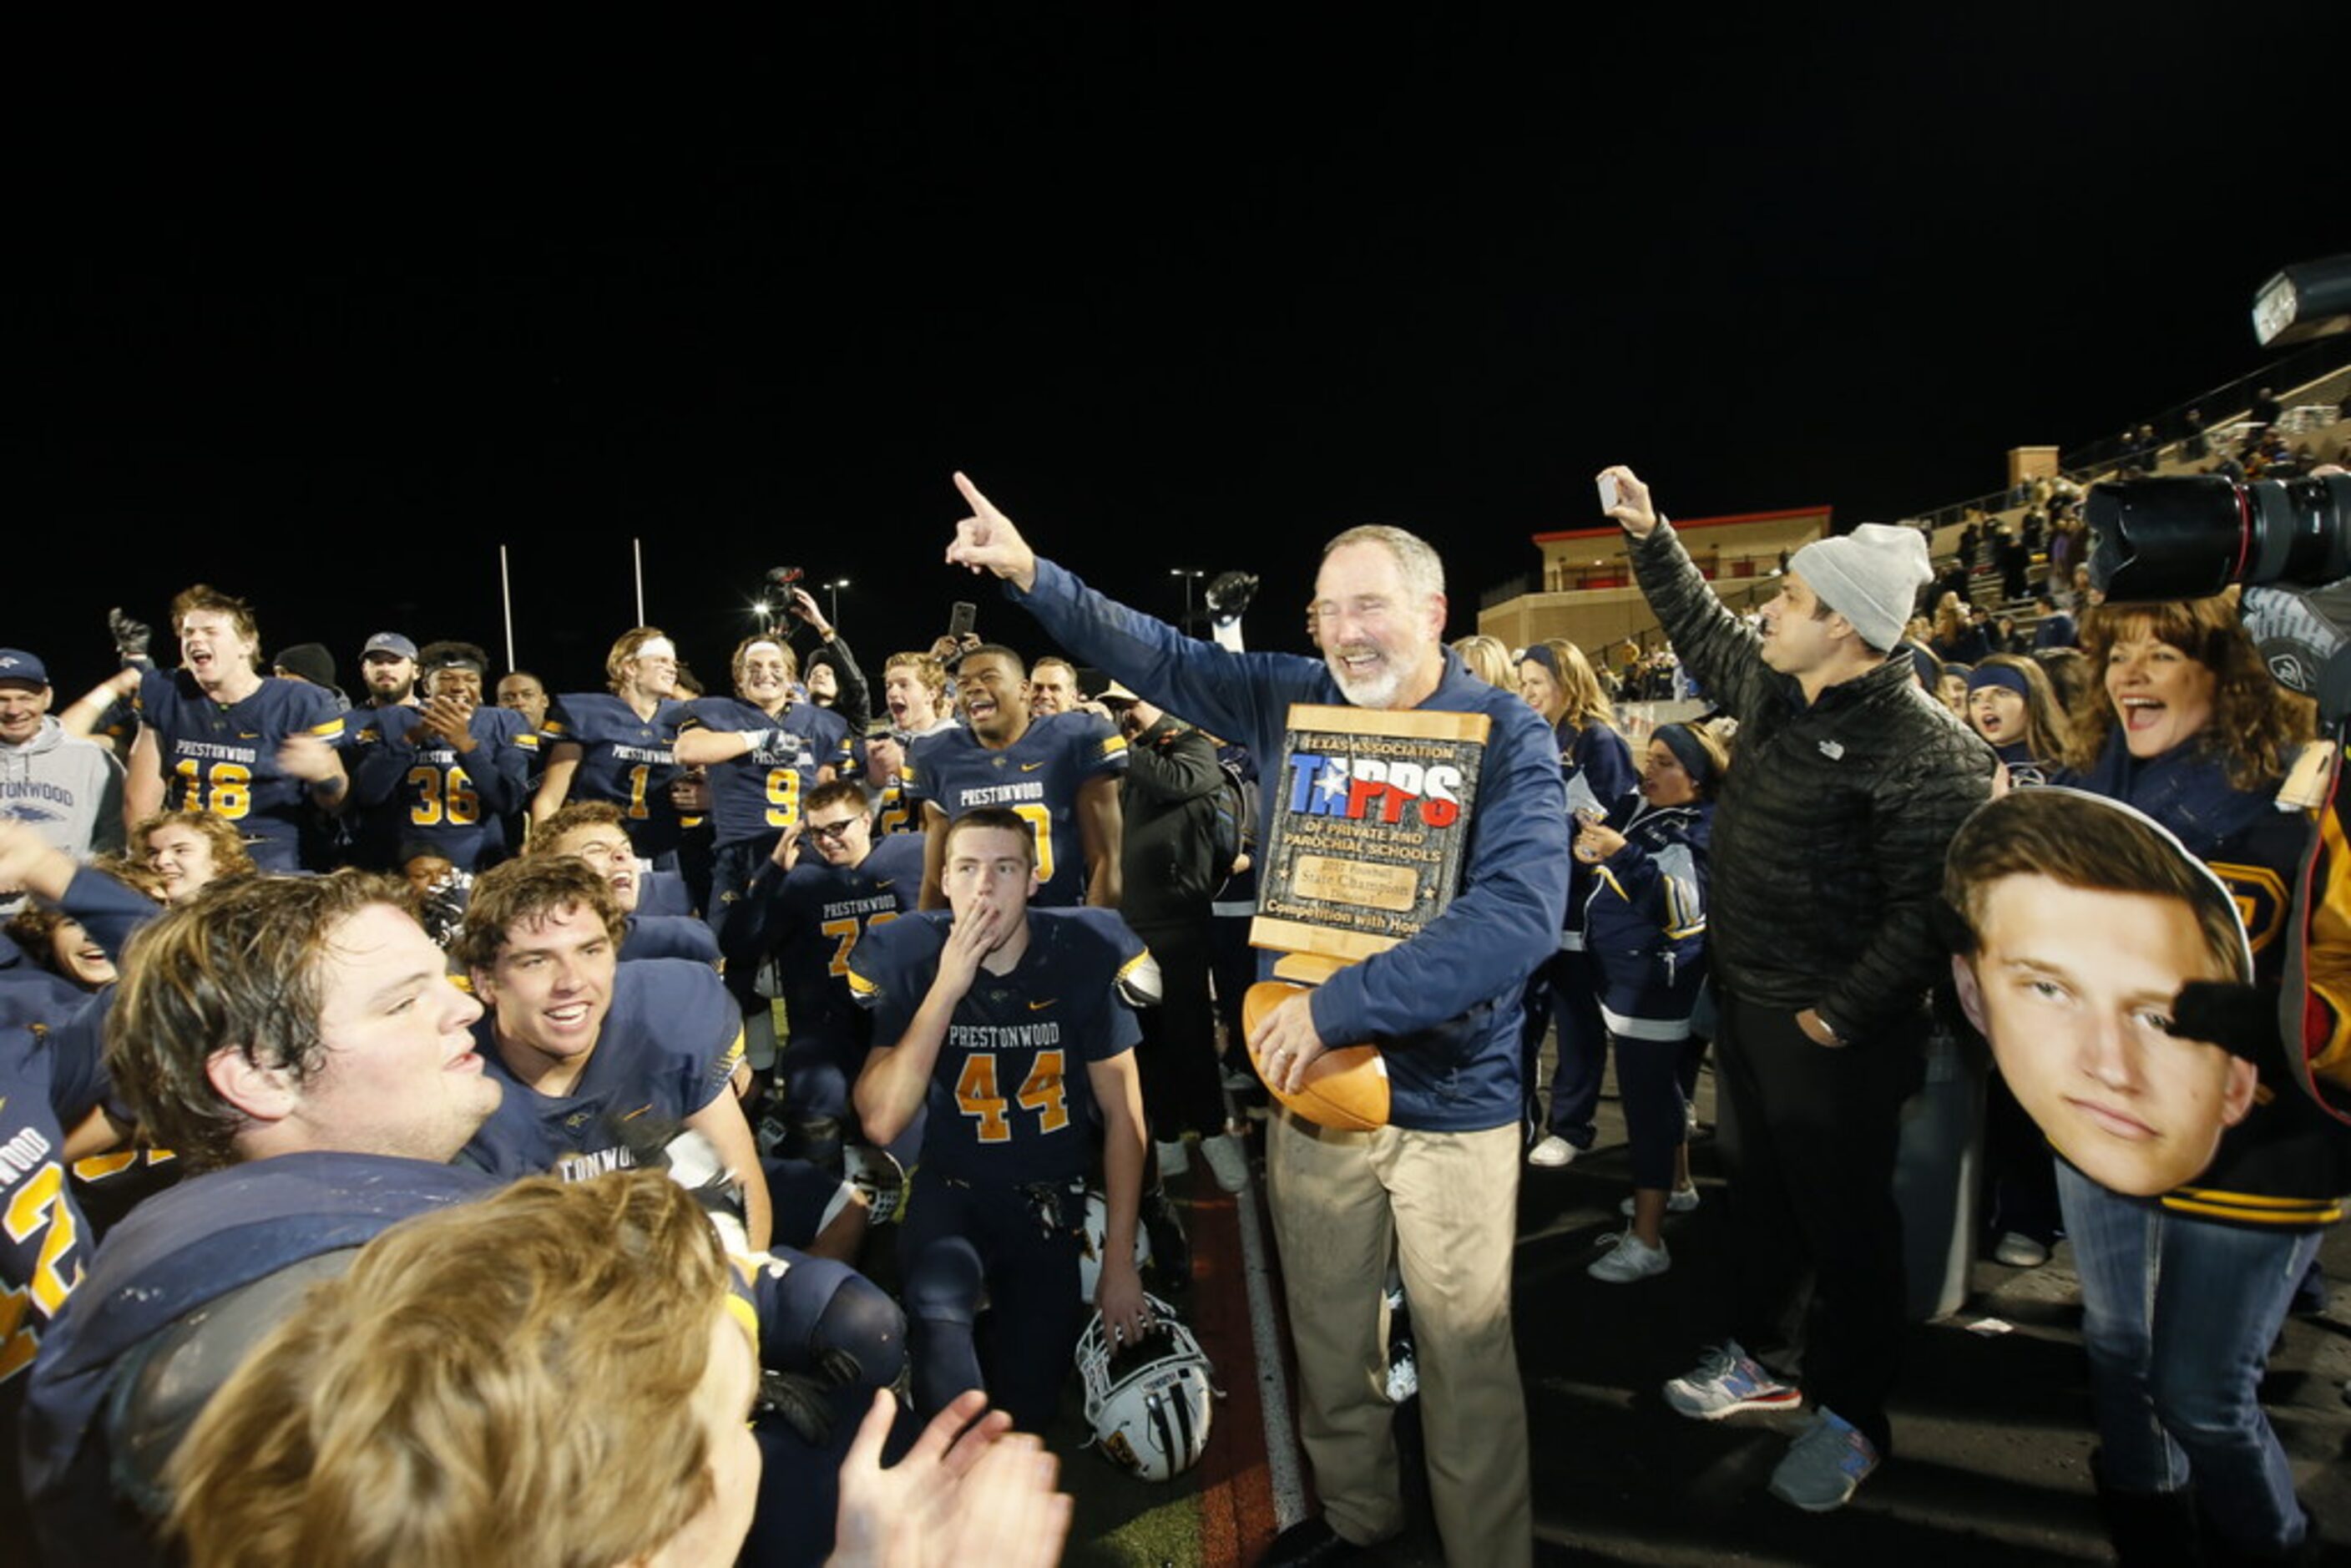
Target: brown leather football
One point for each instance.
(1346, 1088)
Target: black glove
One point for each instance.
(801, 1402)
(130, 637)
(1230, 593)
(2240, 1020)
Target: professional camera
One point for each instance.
(2193, 534)
(2188, 537)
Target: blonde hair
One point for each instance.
(507, 1381)
(1489, 659)
(625, 649)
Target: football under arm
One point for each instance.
(722, 1121)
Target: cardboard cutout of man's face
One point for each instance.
(2075, 988)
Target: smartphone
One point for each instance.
(960, 619)
(1608, 495)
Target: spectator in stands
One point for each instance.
(2198, 446)
(2065, 545)
(2011, 704)
(2266, 408)
(2056, 628)
(2015, 565)
(1957, 635)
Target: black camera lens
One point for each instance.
(2188, 537)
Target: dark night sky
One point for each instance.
(323, 320)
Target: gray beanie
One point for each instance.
(1870, 576)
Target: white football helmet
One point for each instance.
(1152, 1420)
(1091, 1242)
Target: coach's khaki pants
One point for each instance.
(1449, 1203)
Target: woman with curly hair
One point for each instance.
(2183, 1293)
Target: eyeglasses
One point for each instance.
(832, 831)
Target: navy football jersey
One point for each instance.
(757, 795)
(43, 1239)
(893, 813)
(211, 1236)
(670, 1042)
(625, 759)
(1036, 776)
(668, 937)
(1009, 1100)
(223, 758)
(413, 786)
(814, 919)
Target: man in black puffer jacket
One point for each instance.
(1848, 786)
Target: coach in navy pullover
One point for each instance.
(1444, 1008)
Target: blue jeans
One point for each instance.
(2178, 1317)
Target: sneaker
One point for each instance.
(2018, 1250)
(1628, 1258)
(1228, 1161)
(1725, 1381)
(1681, 1200)
(1825, 1464)
(1174, 1158)
(1552, 1153)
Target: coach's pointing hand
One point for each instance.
(986, 540)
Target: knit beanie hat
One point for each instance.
(1870, 576)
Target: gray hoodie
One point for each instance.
(69, 790)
